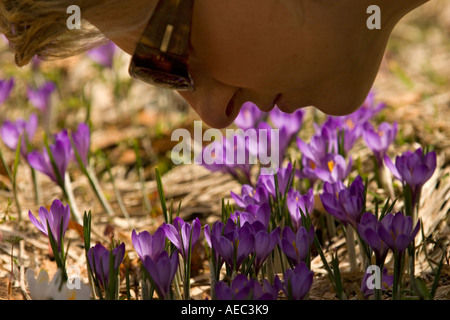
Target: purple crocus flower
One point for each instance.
(214, 232)
(379, 140)
(413, 169)
(290, 122)
(235, 244)
(368, 229)
(335, 127)
(249, 116)
(357, 120)
(346, 204)
(252, 214)
(242, 288)
(58, 214)
(265, 242)
(250, 196)
(299, 205)
(5, 89)
(283, 178)
(269, 149)
(386, 282)
(334, 168)
(297, 282)
(289, 125)
(182, 234)
(62, 154)
(147, 245)
(397, 231)
(313, 154)
(98, 258)
(104, 54)
(162, 271)
(40, 97)
(368, 110)
(82, 141)
(296, 246)
(231, 156)
(11, 131)
(316, 149)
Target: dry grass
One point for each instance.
(413, 80)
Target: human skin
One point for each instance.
(292, 53)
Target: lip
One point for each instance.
(273, 104)
(277, 100)
(284, 105)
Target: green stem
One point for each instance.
(378, 292)
(35, 186)
(11, 177)
(330, 226)
(177, 281)
(398, 270)
(349, 233)
(68, 192)
(212, 274)
(98, 190)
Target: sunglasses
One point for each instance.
(161, 55)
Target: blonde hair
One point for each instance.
(39, 27)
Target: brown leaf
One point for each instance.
(77, 227)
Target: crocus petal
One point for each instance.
(162, 271)
(81, 139)
(392, 167)
(196, 229)
(207, 232)
(10, 135)
(173, 235)
(401, 242)
(119, 253)
(225, 249)
(38, 162)
(37, 223)
(288, 249)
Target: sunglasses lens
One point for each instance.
(155, 67)
(161, 55)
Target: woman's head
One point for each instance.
(36, 27)
(292, 53)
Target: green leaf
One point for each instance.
(387, 208)
(59, 256)
(421, 289)
(437, 277)
(112, 277)
(127, 281)
(162, 198)
(337, 277)
(16, 160)
(87, 230)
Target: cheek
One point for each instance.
(241, 42)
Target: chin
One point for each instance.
(290, 107)
(217, 123)
(341, 106)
